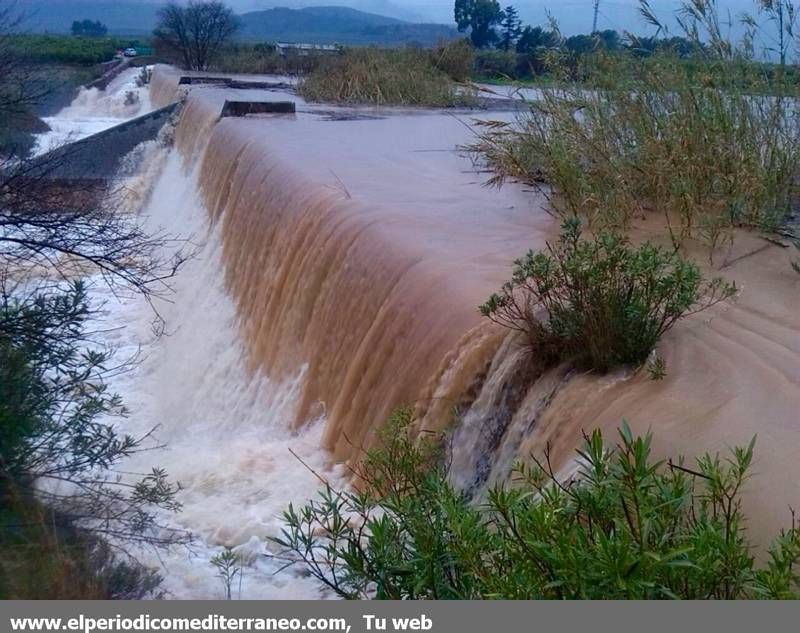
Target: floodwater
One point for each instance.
(341, 257)
(95, 110)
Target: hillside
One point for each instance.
(337, 24)
(327, 24)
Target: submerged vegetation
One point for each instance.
(709, 143)
(706, 157)
(600, 302)
(624, 527)
(378, 77)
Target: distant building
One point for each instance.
(285, 48)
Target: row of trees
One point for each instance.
(490, 25)
(89, 28)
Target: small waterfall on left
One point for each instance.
(223, 432)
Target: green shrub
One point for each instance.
(600, 302)
(626, 527)
(496, 64)
(58, 443)
(383, 77)
(65, 49)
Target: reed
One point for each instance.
(699, 150)
(384, 77)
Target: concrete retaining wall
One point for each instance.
(97, 157)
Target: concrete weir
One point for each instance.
(97, 157)
(243, 108)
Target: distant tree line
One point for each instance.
(511, 48)
(88, 28)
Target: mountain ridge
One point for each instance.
(335, 24)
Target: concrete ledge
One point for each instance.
(98, 157)
(236, 84)
(243, 108)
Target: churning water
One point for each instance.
(340, 258)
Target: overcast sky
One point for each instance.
(573, 16)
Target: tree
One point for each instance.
(510, 28)
(195, 32)
(581, 44)
(532, 45)
(20, 87)
(87, 28)
(535, 38)
(609, 39)
(480, 16)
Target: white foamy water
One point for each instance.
(94, 110)
(225, 432)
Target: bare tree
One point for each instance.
(195, 32)
(21, 86)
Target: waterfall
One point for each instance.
(357, 245)
(340, 259)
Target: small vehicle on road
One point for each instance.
(129, 52)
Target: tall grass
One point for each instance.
(383, 77)
(44, 558)
(263, 59)
(699, 149)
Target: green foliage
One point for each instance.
(657, 368)
(229, 568)
(479, 17)
(496, 64)
(264, 59)
(64, 49)
(600, 302)
(55, 430)
(456, 59)
(692, 128)
(383, 77)
(87, 28)
(510, 28)
(43, 559)
(626, 527)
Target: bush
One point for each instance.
(600, 302)
(64, 49)
(496, 64)
(456, 59)
(378, 77)
(41, 558)
(58, 442)
(626, 527)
